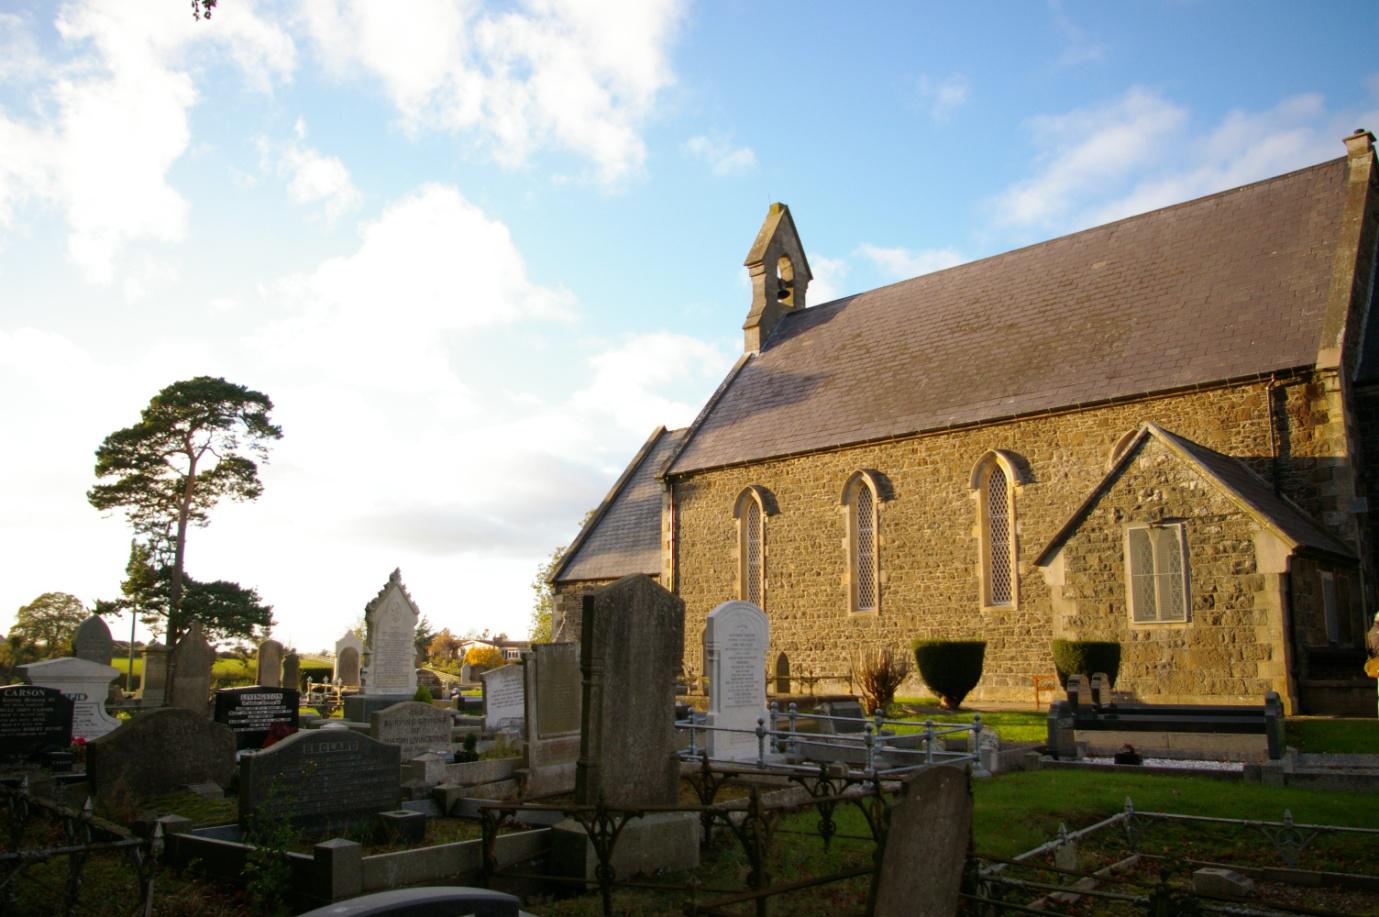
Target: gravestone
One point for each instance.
(159, 751)
(321, 779)
(252, 712)
(414, 727)
(93, 642)
(192, 660)
(33, 720)
(503, 697)
(347, 652)
(848, 707)
(1101, 689)
(86, 684)
(633, 635)
(922, 865)
(552, 702)
(292, 671)
(153, 689)
(390, 653)
(270, 664)
(390, 650)
(735, 637)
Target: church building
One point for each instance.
(1158, 431)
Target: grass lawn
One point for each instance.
(1351, 736)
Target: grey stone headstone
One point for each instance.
(1101, 690)
(926, 848)
(735, 638)
(321, 779)
(390, 650)
(1079, 693)
(292, 671)
(503, 696)
(159, 751)
(93, 642)
(414, 727)
(347, 652)
(193, 659)
(552, 700)
(270, 664)
(632, 640)
(86, 684)
(153, 690)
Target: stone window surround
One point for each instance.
(847, 501)
(1181, 527)
(766, 505)
(1009, 465)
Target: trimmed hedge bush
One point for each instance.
(1086, 657)
(951, 668)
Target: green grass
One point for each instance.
(1342, 736)
(1011, 725)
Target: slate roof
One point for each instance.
(1228, 286)
(624, 534)
(1230, 475)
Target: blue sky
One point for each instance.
(475, 253)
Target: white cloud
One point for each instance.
(113, 119)
(432, 266)
(902, 263)
(723, 158)
(1080, 48)
(313, 177)
(826, 283)
(1142, 152)
(945, 96)
(542, 74)
(1086, 149)
(634, 384)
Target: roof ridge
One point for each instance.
(1134, 217)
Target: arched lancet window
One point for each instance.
(751, 513)
(860, 497)
(993, 480)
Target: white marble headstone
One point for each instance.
(735, 639)
(86, 684)
(391, 654)
(504, 696)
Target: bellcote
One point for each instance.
(780, 276)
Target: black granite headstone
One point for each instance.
(252, 711)
(33, 720)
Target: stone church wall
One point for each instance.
(1231, 648)
(928, 528)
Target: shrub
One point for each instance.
(486, 656)
(423, 695)
(951, 668)
(1086, 657)
(878, 672)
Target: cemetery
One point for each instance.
(593, 779)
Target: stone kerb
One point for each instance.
(632, 641)
(736, 635)
(192, 659)
(414, 727)
(86, 684)
(160, 751)
(504, 703)
(269, 673)
(321, 778)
